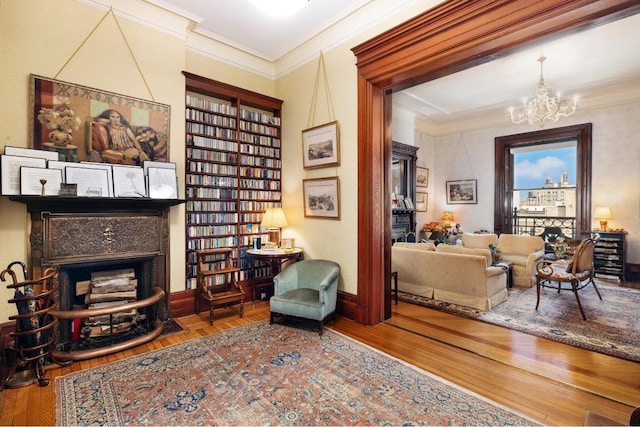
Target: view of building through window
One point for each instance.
(544, 178)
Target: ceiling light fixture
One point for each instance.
(280, 8)
(544, 106)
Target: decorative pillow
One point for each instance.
(421, 246)
(456, 249)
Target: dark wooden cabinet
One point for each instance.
(609, 255)
(403, 183)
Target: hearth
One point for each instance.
(83, 236)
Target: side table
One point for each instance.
(275, 258)
(394, 276)
(508, 267)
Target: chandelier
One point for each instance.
(544, 106)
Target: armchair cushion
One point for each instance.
(472, 240)
(306, 289)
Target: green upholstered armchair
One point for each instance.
(307, 289)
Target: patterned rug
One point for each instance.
(269, 375)
(611, 328)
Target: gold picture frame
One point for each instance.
(321, 146)
(90, 116)
(321, 198)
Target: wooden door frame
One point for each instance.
(455, 35)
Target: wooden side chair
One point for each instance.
(217, 280)
(577, 273)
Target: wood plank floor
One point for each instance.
(551, 382)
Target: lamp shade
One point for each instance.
(603, 212)
(447, 216)
(274, 217)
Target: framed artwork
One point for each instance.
(288, 243)
(162, 183)
(97, 125)
(321, 198)
(40, 181)
(128, 181)
(321, 146)
(91, 182)
(422, 200)
(464, 192)
(422, 177)
(10, 171)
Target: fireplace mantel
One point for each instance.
(85, 234)
(88, 204)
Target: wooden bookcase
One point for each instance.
(233, 171)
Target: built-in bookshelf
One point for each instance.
(233, 170)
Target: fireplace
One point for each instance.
(83, 236)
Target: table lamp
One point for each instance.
(603, 213)
(274, 219)
(447, 218)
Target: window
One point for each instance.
(510, 148)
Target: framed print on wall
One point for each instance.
(462, 192)
(321, 146)
(98, 126)
(422, 177)
(422, 200)
(321, 198)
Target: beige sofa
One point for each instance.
(523, 251)
(449, 273)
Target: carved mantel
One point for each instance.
(81, 235)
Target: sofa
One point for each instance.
(523, 251)
(449, 273)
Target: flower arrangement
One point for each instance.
(559, 247)
(62, 121)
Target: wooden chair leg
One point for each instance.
(574, 285)
(537, 292)
(596, 288)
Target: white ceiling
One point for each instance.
(600, 64)
(240, 24)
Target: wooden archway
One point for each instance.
(453, 36)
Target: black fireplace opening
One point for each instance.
(89, 332)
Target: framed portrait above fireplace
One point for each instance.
(88, 124)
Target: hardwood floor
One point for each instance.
(554, 383)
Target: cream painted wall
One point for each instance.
(322, 238)
(103, 62)
(39, 36)
(615, 175)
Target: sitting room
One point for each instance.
(343, 78)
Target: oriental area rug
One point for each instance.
(263, 374)
(611, 327)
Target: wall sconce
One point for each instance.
(603, 213)
(274, 219)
